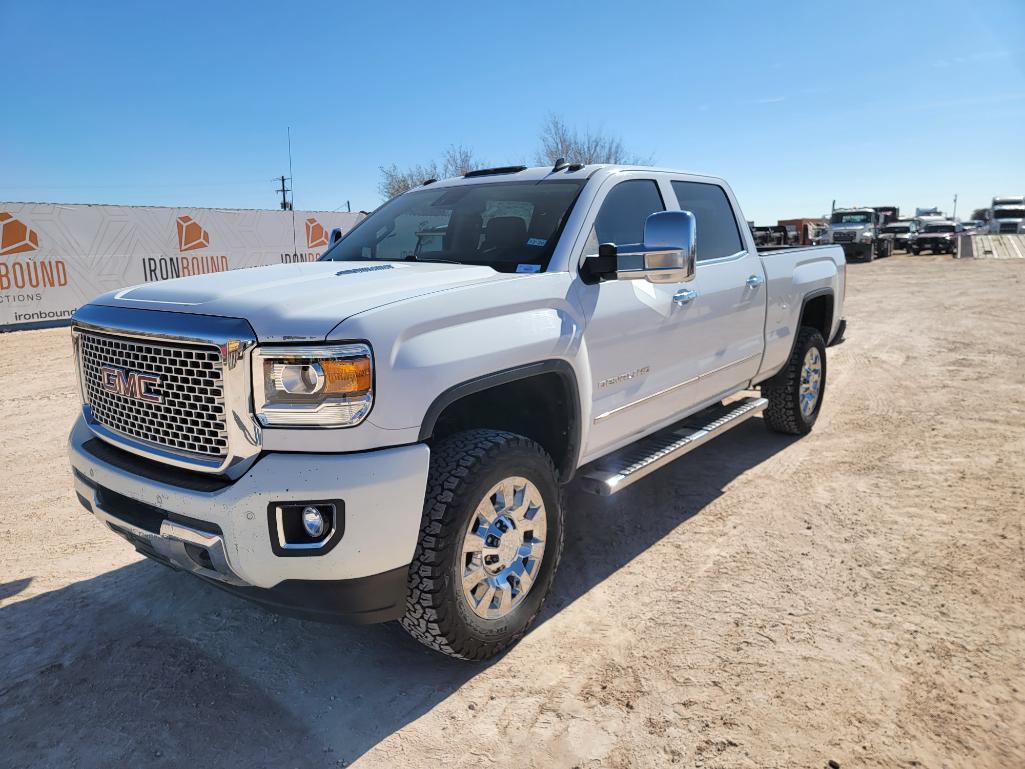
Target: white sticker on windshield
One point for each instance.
(528, 268)
(536, 242)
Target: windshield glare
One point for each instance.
(510, 227)
(852, 218)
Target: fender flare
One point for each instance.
(804, 305)
(556, 366)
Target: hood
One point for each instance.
(849, 227)
(302, 301)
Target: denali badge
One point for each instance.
(620, 378)
(131, 384)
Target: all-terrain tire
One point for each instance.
(783, 414)
(464, 467)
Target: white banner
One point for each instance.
(55, 257)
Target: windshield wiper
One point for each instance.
(438, 261)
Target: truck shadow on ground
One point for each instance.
(145, 667)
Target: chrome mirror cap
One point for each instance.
(669, 250)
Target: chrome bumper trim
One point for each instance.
(170, 543)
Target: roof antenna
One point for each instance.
(295, 250)
(559, 165)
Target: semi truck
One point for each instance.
(1007, 215)
(857, 231)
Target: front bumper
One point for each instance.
(221, 533)
(935, 244)
(857, 251)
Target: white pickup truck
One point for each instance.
(383, 434)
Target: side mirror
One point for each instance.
(336, 235)
(667, 255)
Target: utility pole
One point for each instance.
(954, 217)
(285, 205)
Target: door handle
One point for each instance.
(755, 281)
(684, 296)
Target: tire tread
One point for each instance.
(783, 414)
(428, 616)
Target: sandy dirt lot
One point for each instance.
(856, 595)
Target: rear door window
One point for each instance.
(718, 234)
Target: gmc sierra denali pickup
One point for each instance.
(382, 434)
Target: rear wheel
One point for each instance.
(490, 542)
(795, 393)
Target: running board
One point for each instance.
(631, 463)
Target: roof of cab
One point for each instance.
(546, 173)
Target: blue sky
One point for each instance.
(794, 103)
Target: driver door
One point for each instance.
(634, 334)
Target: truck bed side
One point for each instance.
(794, 276)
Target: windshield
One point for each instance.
(510, 227)
(852, 218)
(1009, 213)
(939, 228)
(897, 228)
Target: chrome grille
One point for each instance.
(190, 417)
(843, 237)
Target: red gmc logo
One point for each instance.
(131, 384)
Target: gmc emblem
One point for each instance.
(131, 384)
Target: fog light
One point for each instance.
(313, 522)
(305, 527)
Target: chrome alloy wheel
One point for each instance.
(811, 381)
(503, 548)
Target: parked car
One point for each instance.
(936, 237)
(383, 434)
(857, 231)
(898, 232)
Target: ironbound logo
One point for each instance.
(16, 237)
(131, 384)
(316, 235)
(191, 237)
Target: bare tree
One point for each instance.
(560, 141)
(455, 161)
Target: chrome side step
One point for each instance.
(621, 468)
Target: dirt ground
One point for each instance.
(856, 595)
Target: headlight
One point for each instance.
(866, 234)
(313, 386)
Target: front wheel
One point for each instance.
(795, 393)
(490, 542)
